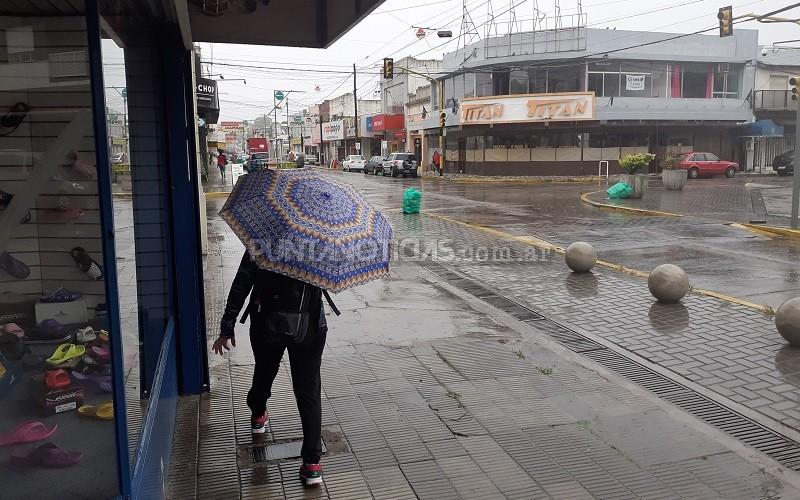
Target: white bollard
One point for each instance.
(787, 321)
(581, 257)
(668, 283)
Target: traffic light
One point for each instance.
(794, 81)
(388, 68)
(442, 119)
(725, 16)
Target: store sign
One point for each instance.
(387, 122)
(634, 82)
(567, 106)
(206, 91)
(370, 124)
(234, 127)
(333, 131)
(377, 123)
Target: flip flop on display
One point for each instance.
(86, 264)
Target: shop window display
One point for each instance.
(56, 408)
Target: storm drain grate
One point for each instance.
(278, 452)
(767, 441)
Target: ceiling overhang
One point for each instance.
(295, 23)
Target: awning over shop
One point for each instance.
(761, 128)
(295, 23)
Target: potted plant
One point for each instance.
(674, 178)
(632, 164)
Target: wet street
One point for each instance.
(483, 368)
(732, 261)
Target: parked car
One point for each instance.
(401, 164)
(783, 164)
(258, 161)
(118, 158)
(353, 163)
(706, 165)
(374, 166)
(312, 160)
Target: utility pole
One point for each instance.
(355, 109)
(796, 183)
(288, 126)
(275, 125)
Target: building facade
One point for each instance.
(561, 104)
(340, 136)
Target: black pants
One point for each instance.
(305, 360)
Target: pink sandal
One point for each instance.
(27, 432)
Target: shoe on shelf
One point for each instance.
(13, 266)
(311, 474)
(258, 425)
(86, 264)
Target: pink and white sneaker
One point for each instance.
(311, 474)
(258, 425)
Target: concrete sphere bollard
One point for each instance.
(581, 257)
(787, 320)
(668, 283)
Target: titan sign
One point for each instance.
(566, 106)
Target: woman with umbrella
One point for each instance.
(305, 234)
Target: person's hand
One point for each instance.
(221, 345)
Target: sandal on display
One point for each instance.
(104, 411)
(13, 118)
(57, 379)
(49, 331)
(59, 296)
(14, 267)
(65, 353)
(102, 382)
(13, 329)
(101, 354)
(47, 455)
(27, 432)
(86, 264)
(85, 335)
(84, 170)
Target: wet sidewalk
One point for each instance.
(438, 386)
(761, 200)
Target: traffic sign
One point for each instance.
(279, 95)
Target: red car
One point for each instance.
(706, 165)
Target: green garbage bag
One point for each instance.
(619, 191)
(411, 201)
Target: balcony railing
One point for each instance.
(773, 100)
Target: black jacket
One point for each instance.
(247, 276)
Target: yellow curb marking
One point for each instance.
(540, 243)
(217, 194)
(755, 228)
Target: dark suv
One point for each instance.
(783, 164)
(400, 163)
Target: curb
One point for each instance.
(533, 181)
(544, 244)
(217, 194)
(756, 228)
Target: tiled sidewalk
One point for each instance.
(504, 413)
(458, 418)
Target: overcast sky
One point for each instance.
(388, 32)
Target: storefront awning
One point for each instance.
(761, 128)
(294, 23)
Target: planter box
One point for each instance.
(674, 180)
(638, 182)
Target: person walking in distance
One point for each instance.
(222, 160)
(284, 314)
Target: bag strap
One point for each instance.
(330, 303)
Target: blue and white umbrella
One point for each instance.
(309, 226)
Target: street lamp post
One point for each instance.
(440, 99)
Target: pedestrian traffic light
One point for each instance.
(725, 16)
(443, 119)
(388, 68)
(794, 81)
